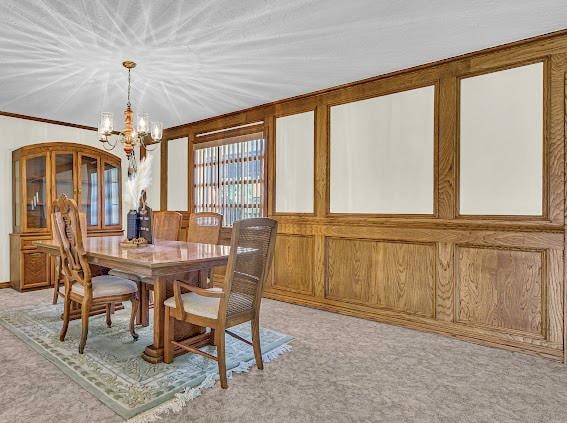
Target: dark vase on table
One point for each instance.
(132, 223)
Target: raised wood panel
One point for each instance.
(502, 289)
(394, 275)
(293, 264)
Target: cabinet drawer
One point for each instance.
(35, 269)
(27, 244)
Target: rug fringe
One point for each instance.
(181, 399)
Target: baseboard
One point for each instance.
(5, 285)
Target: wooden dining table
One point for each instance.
(164, 262)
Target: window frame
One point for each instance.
(232, 135)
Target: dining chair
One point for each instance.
(58, 276)
(204, 228)
(80, 286)
(251, 251)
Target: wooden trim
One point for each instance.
(50, 121)
(228, 134)
(5, 285)
(163, 174)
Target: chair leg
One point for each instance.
(66, 311)
(135, 306)
(169, 327)
(85, 308)
(108, 313)
(221, 359)
(56, 291)
(256, 342)
(57, 278)
(139, 314)
(213, 338)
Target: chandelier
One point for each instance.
(129, 137)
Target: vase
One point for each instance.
(132, 223)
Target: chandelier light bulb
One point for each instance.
(106, 124)
(156, 131)
(143, 123)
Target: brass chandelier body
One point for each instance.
(145, 134)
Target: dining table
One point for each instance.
(162, 262)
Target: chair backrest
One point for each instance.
(166, 225)
(251, 251)
(68, 232)
(204, 227)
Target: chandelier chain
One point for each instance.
(129, 88)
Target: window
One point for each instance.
(228, 177)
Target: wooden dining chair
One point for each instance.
(251, 251)
(58, 276)
(80, 286)
(204, 227)
(165, 226)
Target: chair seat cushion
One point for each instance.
(198, 305)
(125, 275)
(105, 286)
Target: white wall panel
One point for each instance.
(295, 138)
(177, 173)
(382, 154)
(501, 142)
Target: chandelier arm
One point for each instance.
(107, 142)
(146, 146)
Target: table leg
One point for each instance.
(154, 353)
(163, 289)
(144, 304)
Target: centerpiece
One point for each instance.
(138, 222)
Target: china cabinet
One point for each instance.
(41, 173)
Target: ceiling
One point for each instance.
(61, 59)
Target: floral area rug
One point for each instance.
(112, 368)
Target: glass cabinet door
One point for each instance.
(64, 175)
(89, 189)
(111, 195)
(17, 190)
(36, 192)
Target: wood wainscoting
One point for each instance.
(493, 279)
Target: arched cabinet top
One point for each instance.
(33, 149)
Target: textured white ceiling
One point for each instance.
(61, 59)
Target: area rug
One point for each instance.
(114, 372)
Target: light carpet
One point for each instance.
(112, 369)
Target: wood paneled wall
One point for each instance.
(497, 280)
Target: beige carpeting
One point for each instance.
(342, 369)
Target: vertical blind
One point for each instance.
(229, 177)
